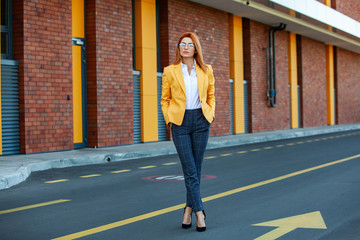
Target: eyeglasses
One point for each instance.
(190, 45)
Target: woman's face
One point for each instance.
(187, 48)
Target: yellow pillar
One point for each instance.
(330, 84)
(77, 95)
(237, 71)
(330, 79)
(78, 19)
(145, 58)
(78, 31)
(293, 81)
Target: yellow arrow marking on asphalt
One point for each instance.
(286, 225)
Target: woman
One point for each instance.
(188, 106)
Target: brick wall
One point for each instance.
(42, 44)
(256, 39)
(347, 86)
(109, 72)
(312, 72)
(211, 26)
(351, 8)
(347, 71)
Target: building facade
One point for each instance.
(87, 73)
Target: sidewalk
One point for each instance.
(16, 168)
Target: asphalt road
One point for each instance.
(298, 189)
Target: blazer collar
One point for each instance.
(199, 74)
(179, 76)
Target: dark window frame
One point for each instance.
(8, 30)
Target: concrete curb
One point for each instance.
(20, 172)
(24, 171)
(278, 135)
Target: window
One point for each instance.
(6, 29)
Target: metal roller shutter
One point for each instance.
(161, 121)
(246, 106)
(299, 107)
(335, 122)
(136, 106)
(10, 107)
(232, 131)
(290, 118)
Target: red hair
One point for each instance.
(198, 51)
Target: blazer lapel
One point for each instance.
(179, 76)
(200, 79)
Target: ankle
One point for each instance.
(201, 226)
(200, 214)
(188, 211)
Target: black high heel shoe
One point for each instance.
(201, 229)
(186, 226)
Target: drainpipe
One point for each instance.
(271, 90)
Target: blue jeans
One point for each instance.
(190, 140)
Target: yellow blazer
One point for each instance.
(173, 97)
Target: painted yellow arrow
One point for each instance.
(286, 225)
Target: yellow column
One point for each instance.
(78, 30)
(330, 79)
(328, 3)
(77, 95)
(330, 84)
(293, 81)
(145, 57)
(78, 20)
(237, 71)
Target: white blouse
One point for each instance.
(191, 87)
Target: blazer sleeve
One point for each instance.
(165, 96)
(211, 90)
